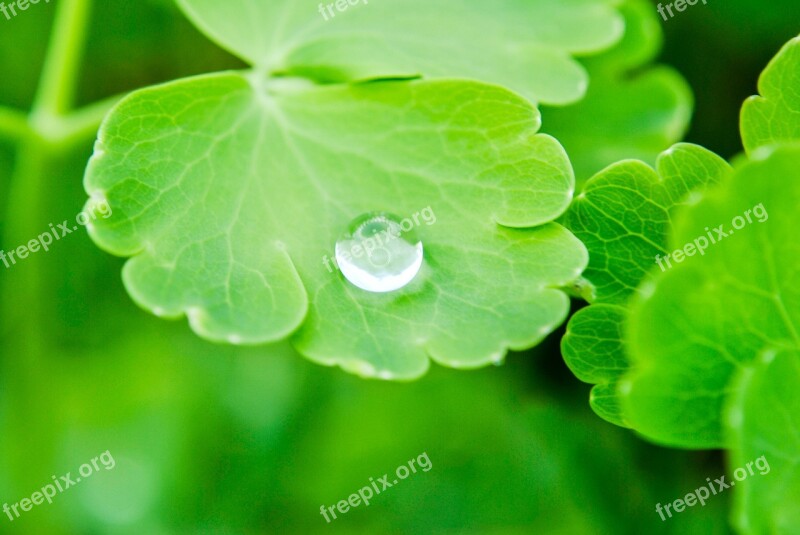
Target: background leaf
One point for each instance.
(524, 45)
(597, 131)
(774, 117)
(721, 48)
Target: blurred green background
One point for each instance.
(214, 439)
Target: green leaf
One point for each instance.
(525, 45)
(711, 315)
(624, 216)
(632, 109)
(764, 429)
(592, 348)
(229, 196)
(774, 117)
(717, 336)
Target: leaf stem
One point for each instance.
(84, 122)
(22, 291)
(56, 90)
(13, 124)
(23, 298)
(65, 132)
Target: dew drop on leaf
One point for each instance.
(380, 252)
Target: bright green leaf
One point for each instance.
(711, 315)
(624, 216)
(764, 425)
(592, 348)
(525, 45)
(229, 196)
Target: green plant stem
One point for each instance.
(57, 84)
(13, 124)
(25, 299)
(83, 123)
(50, 130)
(53, 98)
(22, 293)
(61, 134)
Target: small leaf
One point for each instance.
(229, 196)
(592, 348)
(624, 216)
(774, 117)
(524, 45)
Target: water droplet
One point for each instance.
(378, 253)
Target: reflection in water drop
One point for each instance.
(378, 254)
